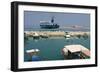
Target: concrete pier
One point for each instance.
(75, 52)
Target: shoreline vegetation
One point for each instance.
(50, 34)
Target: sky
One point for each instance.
(32, 19)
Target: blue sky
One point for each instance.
(32, 19)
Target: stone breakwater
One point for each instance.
(79, 33)
(55, 33)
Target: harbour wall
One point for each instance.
(55, 33)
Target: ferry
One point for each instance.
(49, 25)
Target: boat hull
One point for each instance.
(49, 26)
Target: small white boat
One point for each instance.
(67, 36)
(32, 51)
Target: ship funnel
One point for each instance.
(52, 20)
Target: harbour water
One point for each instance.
(58, 29)
(50, 48)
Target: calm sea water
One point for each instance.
(50, 49)
(58, 29)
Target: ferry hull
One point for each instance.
(49, 26)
